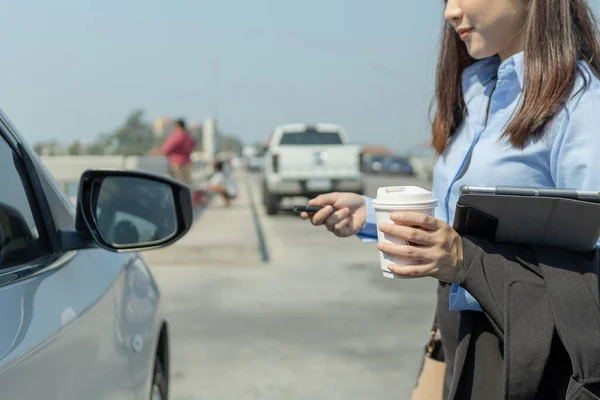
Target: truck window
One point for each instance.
(310, 137)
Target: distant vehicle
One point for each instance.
(307, 160)
(387, 165)
(82, 316)
(254, 158)
(373, 164)
(396, 165)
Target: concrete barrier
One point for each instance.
(70, 168)
(67, 170)
(159, 165)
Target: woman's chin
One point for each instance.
(479, 52)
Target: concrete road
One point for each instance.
(317, 321)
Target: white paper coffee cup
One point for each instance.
(399, 198)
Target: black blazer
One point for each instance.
(539, 334)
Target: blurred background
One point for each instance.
(81, 73)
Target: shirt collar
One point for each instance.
(476, 76)
(513, 69)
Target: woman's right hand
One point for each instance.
(348, 220)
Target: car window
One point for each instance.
(310, 137)
(21, 235)
(61, 206)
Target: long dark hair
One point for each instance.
(556, 37)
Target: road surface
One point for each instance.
(317, 321)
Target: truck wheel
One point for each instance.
(159, 382)
(265, 191)
(272, 204)
(270, 201)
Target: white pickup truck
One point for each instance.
(308, 160)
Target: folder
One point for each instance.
(557, 218)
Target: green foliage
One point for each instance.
(230, 143)
(133, 138)
(75, 149)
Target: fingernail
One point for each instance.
(380, 246)
(383, 227)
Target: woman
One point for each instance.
(518, 104)
(178, 148)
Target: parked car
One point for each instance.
(255, 159)
(81, 313)
(307, 160)
(387, 165)
(396, 165)
(373, 164)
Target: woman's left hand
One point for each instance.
(438, 248)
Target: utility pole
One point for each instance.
(215, 84)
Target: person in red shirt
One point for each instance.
(178, 147)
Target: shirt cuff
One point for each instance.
(369, 231)
(461, 300)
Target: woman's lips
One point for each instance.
(463, 33)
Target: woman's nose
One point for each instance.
(453, 13)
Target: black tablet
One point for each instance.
(544, 216)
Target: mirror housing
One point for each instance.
(127, 211)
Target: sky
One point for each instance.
(75, 68)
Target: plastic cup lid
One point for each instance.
(404, 196)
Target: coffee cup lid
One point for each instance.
(404, 196)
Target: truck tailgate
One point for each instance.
(319, 161)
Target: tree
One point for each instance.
(50, 148)
(134, 136)
(230, 143)
(39, 148)
(75, 149)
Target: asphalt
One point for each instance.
(317, 320)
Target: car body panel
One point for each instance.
(78, 325)
(59, 338)
(138, 311)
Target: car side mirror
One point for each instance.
(124, 211)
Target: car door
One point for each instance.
(59, 338)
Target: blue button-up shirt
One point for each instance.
(566, 156)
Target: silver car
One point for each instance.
(81, 314)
